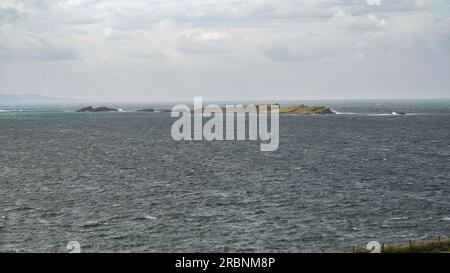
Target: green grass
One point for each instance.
(425, 246)
(304, 109)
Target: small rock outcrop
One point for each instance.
(97, 109)
(146, 110)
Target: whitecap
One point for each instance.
(346, 113)
(380, 115)
(221, 194)
(13, 110)
(373, 114)
(399, 218)
(90, 223)
(149, 217)
(446, 219)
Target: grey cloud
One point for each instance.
(146, 56)
(359, 23)
(40, 4)
(20, 45)
(309, 50)
(204, 42)
(9, 14)
(44, 53)
(284, 53)
(202, 48)
(51, 52)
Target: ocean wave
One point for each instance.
(220, 194)
(11, 110)
(375, 114)
(146, 217)
(399, 218)
(91, 224)
(362, 114)
(344, 113)
(381, 149)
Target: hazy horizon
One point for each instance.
(30, 99)
(102, 50)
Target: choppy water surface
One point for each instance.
(118, 182)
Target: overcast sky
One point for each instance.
(225, 49)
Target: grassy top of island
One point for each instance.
(423, 246)
(305, 110)
(300, 109)
(97, 109)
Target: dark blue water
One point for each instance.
(118, 182)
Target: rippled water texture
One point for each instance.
(118, 182)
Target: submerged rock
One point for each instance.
(97, 109)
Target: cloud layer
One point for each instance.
(228, 49)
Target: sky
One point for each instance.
(225, 49)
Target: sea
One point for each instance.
(118, 182)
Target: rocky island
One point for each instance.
(300, 109)
(290, 109)
(97, 109)
(305, 110)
